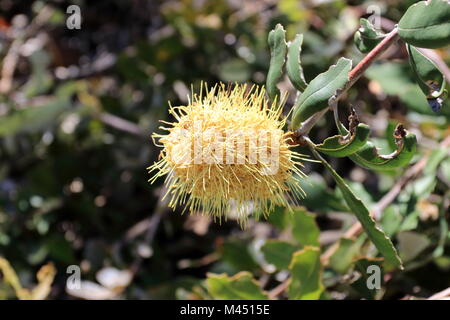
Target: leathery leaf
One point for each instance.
(343, 146)
(278, 48)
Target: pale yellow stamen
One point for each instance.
(227, 150)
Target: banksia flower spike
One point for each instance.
(227, 152)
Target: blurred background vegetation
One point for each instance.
(77, 108)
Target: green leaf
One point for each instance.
(360, 191)
(319, 197)
(343, 146)
(429, 78)
(278, 253)
(304, 227)
(396, 79)
(60, 250)
(293, 10)
(411, 244)
(278, 48)
(369, 158)
(422, 187)
(306, 275)
(236, 253)
(33, 119)
(347, 252)
(40, 80)
(434, 160)
(293, 66)
(410, 222)
(389, 135)
(320, 90)
(241, 286)
(426, 24)
(379, 239)
(443, 262)
(391, 220)
(234, 70)
(367, 37)
(279, 218)
(443, 230)
(445, 169)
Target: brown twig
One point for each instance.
(367, 61)
(275, 292)
(149, 226)
(9, 66)
(121, 124)
(444, 294)
(12, 56)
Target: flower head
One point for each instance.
(227, 151)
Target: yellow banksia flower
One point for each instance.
(227, 152)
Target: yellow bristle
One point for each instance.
(214, 154)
